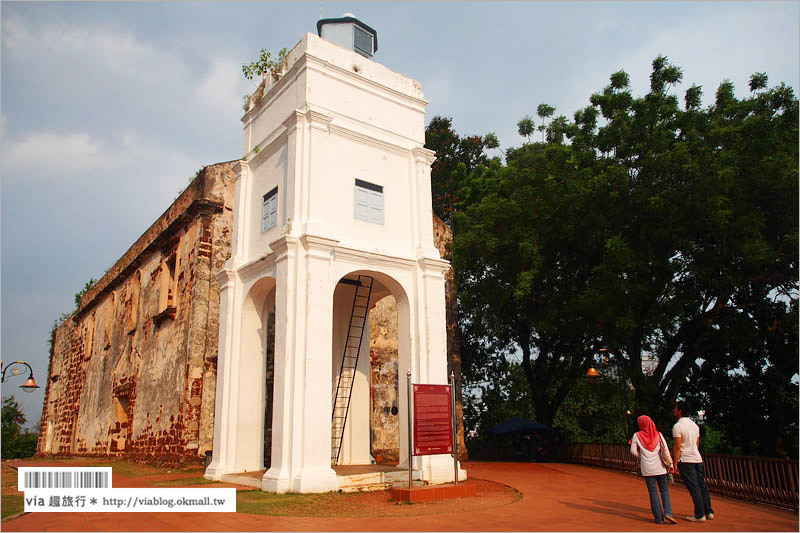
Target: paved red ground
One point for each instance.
(555, 497)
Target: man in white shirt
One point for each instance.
(690, 463)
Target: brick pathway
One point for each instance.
(556, 497)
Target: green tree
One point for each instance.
(16, 444)
(519, 279)
(526, 126)
(544, 111)
(650, 235)
(597, 410)
(745, 386)
(453, 150)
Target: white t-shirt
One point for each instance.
(650, 463)
(688, 431)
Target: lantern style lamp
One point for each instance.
(29, 385)
(592, 373)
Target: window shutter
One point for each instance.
(369, 202)
(269, 210)
(376, 207)
(264, 215)
(362, 204)
(273, 212)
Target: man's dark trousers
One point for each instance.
(692, 474)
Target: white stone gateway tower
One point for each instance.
(332, 213)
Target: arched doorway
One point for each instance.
(370, 311)
(256, 377)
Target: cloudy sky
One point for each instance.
(108, 109)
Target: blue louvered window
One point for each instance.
(369, 202)
(269, 210)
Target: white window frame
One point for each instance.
(269, 210)
(369, 203)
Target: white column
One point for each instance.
(313, 415)
(241, 215)
(296, 189)
(315, 167)
(225, 401)
(278, 477)
(421, 179)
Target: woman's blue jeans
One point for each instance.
(654, 485)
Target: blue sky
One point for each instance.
(108, 108)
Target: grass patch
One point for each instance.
(11, 501)
(267, 503)
(182, 482)
(121, 467)
(8, 478)
(134, 470)
(11, 504)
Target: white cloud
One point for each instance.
(14, 33)
(47, 153)
(111, 50)
(220, 91)
(96, 60)
(51, 156)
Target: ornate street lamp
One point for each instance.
(29, 385)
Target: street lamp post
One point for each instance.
(29, 385)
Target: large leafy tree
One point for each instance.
(15, 442)
(746, 387)
(646, 226)
(455, 157)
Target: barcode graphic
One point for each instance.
(64, 478)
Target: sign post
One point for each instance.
(454, 426)
(410, 448)
(432, 426)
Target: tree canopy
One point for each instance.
(662, 231)
(455, 157)
(16, 444)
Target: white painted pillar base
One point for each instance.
(319, 479)
(439, 469)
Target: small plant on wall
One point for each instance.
(264, 68)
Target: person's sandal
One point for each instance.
(710, 516)
(670, 519)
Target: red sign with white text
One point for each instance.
(433, 420)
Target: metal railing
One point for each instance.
(755, 479)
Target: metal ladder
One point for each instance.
(347, 372)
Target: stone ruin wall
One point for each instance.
(384, 423)
(133, 370)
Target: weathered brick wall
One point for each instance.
(384, 423)
(443, 240)
(133, 371)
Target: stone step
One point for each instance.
(372, 481)
(243, 479)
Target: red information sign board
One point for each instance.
(433, 420)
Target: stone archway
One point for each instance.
(255, 373)
(371, 426)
